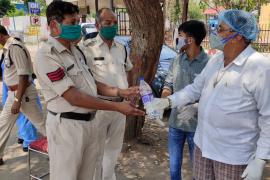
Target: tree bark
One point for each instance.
(147, 25)
(112, 5)
(185, 10)
(96, 5)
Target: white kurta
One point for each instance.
(233, 116)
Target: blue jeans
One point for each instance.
(177, 138)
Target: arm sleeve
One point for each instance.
(22, 63)
(262, 97)
(53, 75)
(190, 93)
(168, 83)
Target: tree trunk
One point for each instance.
(147, 25)
(185, 11)
(111, 4)
(96, 5)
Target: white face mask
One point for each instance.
(216, 42)
(181, 43)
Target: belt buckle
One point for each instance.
(92, 115)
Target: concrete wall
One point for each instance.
(22, 28)
(264, 19)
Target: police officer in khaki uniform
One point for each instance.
(109, 63)
(70, 92)
(22, 94)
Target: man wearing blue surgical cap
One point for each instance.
(233, 134)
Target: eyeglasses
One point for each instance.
(220, 29)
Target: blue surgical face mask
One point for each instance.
(70, 32)
(216, 42)
(181, 43)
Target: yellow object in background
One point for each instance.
(33, 30)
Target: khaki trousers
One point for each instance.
(73, 148)
(29, 109)
(111, 134)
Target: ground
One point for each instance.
(143, 159)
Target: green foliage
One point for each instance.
(92, 14)
(175, 12)
(15, 12)
(5, 7)
(247, 5)
(43, 7)
(202, 5)
(195, 11)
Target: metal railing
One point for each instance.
(123, 21)
(261, 44)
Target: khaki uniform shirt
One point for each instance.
(19, 64)
(58, 69)
(109, 66)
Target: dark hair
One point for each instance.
(57, 9)
(3, 30)
(195, 29)
(100, 11)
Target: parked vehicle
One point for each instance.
(89, 30)
(167, 55)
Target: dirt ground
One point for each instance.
(147, 158)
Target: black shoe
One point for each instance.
(1, 162)
(25, 149)
(20, 141)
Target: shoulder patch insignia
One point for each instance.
(56, 75)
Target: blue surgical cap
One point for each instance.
(240, 21)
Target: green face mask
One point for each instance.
(109, 32)
(70, 32)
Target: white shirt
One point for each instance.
(233, 116)
(17, 61)
(108, 66)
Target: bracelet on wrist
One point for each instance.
(16, 99)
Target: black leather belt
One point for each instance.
(76, 116)
(119, 99)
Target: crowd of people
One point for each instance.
(220, 105)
